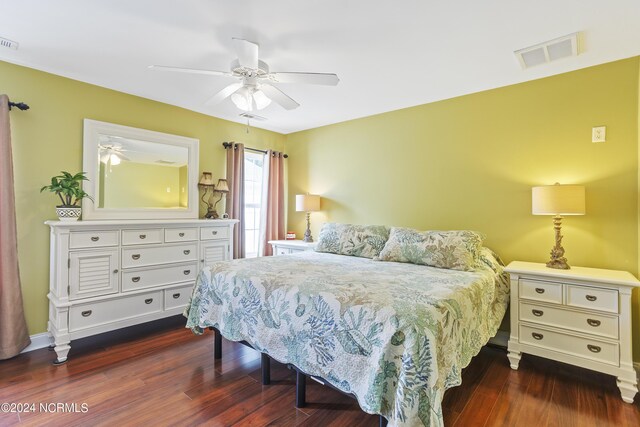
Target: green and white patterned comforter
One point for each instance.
(395, 335)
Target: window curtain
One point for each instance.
(235, 197)
(272, 223)
(14, 336)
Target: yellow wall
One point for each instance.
(150, 189)
(470, 163)
(48, 139)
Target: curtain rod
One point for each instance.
(19, 105)
(230, 144)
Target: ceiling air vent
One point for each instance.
(562, 47)
(8, 43)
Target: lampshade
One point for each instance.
(558, 200)
(223, 186)
(307, 203)
(206, 179)
(246, 98)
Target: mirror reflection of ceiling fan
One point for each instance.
(255, 89)
(111, 153)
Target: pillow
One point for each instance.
(456, 250)
(364, 241)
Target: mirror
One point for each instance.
(138, 174)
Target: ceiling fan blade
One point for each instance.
(247, 53)
(189, 70)
(327, 79)
(279, 97)
(126, 159)
(224, 93)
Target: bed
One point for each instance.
(394, 335)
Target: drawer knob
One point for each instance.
(95, 238)
(135, 279)
(593, 322)
(148, 301)
(537, 313)
(594, 348)
(537, 336)
(186, 272)
(591, 297)
(115, 271)
(176, 296)
(214, 232)
(202, 260)
(143, 236)
(186, 252)
(540, 290)
(181, 234)
(135, 256)
(86, 313)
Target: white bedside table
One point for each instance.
(580, 316)
(284, 247)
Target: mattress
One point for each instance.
(394, 335)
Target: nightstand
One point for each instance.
(285, 247)
(580, 316)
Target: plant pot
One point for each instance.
(68, 213)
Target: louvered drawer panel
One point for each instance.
(157, 276)
(141, 257)
(214, 252)
(93, 273)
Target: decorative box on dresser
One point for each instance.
(580, 316)
(285, 247)
(109, 274)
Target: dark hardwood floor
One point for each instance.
(168, 376)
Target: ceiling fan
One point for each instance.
(255, 89)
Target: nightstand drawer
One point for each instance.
(593, 298)
(592, 349)
(591, 323)
(541, 291)
(281, 251)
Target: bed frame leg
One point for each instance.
(217, 344)
(301, 388)
(383, 421)
(265, 365)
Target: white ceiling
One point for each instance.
(388, 54)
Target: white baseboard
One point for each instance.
(500, 339)
(38, 341)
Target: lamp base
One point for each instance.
(211, 215)
(307, 233)
(558, 260)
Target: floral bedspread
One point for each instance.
(395, 335)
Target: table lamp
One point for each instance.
(558, 200)
(307, 203)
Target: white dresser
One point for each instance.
(285, 247)
(580, 316)
(106, 275)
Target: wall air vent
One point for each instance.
(8, 43)
(552, 50)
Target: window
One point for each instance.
(252, 201)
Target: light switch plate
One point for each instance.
(598, 134)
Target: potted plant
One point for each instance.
(67, 187)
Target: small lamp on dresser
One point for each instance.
(307, 203)
(558, 200)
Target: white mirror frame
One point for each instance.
(92, 130)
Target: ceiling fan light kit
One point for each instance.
(255, 91)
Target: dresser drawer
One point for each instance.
(83, 316)
(540, 291)
(592, 349)
(177, 297)
(93, 239)
(279, 250)
(140, 257)
(591, 323)
(593, 298)
(214, 233)
(180, 234)
(141, 237)
(157, 276)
